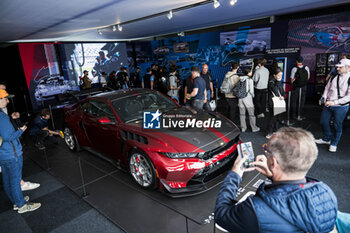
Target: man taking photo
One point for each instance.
(292, 203)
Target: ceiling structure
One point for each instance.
(80, 20)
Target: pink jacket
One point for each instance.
(331, 94)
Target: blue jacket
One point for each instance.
(292, 206)
(9, 134)
(38, 124)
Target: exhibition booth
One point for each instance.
(103, 175)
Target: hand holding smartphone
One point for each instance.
(246, 152)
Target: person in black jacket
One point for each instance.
(275, 88)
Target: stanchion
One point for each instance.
(299, 103)
(52, 120)
(26, 104)
(13, 105)
(216, 94)
(288, 110)
(85, 194)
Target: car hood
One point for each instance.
(198, 139)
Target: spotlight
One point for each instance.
(170, 14)
(216, 3)
(120, 28)
(99, 32)
(233, 2)
(114, 28)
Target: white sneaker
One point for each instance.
(261, 115)
(256, 130)
(243, 130)
(268, 136)
(28, 207)
(321, 141)
(29, 186)
(332, 148)
(15, 207)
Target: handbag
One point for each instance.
(279, 106)
(212, 105)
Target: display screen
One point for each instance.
(93, 57)
(183, 47)
(161, 50)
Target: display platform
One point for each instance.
(113, 193)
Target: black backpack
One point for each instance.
(166, 83)
(301, 77)
(240, 89)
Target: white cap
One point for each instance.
(343, 62)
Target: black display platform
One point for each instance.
(113, 193)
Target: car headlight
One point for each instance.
(182, 155)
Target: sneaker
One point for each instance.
(269, 136)
(261, 115)
(332, 148)
(321, 141)
(40, 146)
(29, 206)
(256, 130)
(15, 207)
(243, 130)
(29, 186)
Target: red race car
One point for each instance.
(141, 129)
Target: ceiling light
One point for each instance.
(99, 32)
(233, 2)
(216, 3)
(170, 14)
(114, 28)
(120, 28)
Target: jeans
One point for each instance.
(196, 103)
(244, 105)
(338, 113)
(294, 108)
(260, 100)
(206, 105)
(11, 179)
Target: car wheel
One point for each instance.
(313, 41)
(347, 46)
(70, 140)
(142, 170)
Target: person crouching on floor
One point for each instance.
(39, 129)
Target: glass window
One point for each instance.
(131, 108)
(98, 109)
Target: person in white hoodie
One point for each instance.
(246, 103)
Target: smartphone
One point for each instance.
(246, 152)
(322, 101)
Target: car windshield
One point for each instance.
(131, 108)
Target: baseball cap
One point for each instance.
(4, 94)
(343, 62)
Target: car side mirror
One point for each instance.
(105, 121)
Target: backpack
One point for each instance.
(240, 89)
(301, 77)
(166, 83)
(226, 86)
